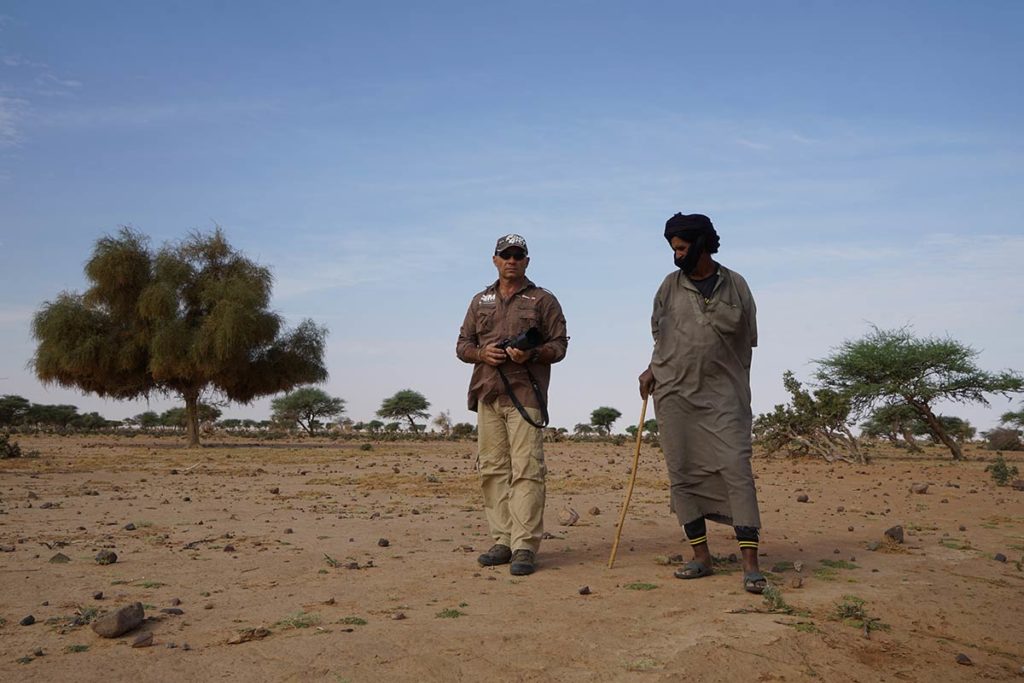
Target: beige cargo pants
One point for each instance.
(511, 463)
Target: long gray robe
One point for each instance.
(701, 366)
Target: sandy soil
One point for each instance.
(297, 515)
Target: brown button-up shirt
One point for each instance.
(491, 320)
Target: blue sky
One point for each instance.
(862, 162)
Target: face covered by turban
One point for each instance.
(696, 230)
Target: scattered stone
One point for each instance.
(276, 490)
(38, 652)
(173, 610)
(289, 530)
(98, 595)
(6, 548)
(329, 601)
(398, 616)
(28, 620)
(1017, 484)
(895, 533)
(874, 545)
(796, 582)
(594, 510)
(585, 590)
(999, 557)
(963, 528)
(803, 498)
(32, 495)
(120, 621)
(171, 645)
(675, 559)
(547, 536)
(143, 640)
(248, 634)
(840, 509)
(964, 659)
(229, 548)
(836, 551)
(60, 558)
(175, 602)
(798, 566)
(186, 647)
(567, 516)
(208, 605)
(129, 527)
(919, 488)
(414, 511)
(849, 528)
(47, 506)
(106, 557)
(352, 565)
(383, 542)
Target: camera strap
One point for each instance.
(519, 406)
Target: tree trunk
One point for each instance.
(412, 425)
(192, 418)
(937, 429)
(908, 437)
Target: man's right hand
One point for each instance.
(646, 383)
(492, 355)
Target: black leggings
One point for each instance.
(697, 533)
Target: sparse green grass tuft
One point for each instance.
(642, 664)
(851, 611)
(150, 584)
(299, 620)
(641, 586)
(448, 613)
(76, 648)
(352, 621)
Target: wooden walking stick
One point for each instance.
(632, 480)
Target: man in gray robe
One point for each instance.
(704, 329)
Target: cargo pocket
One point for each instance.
(725, 316)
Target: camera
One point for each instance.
(524, 341)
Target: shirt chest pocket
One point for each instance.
(526, 317)
(484, 320)
(726, 316)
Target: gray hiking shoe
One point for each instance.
(498, 554)
(523, 562)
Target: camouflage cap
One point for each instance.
(511, 240)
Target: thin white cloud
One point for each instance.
(11, 113)
(49, 79)
(750, 144)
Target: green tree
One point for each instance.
(308, 407)
(582, 429)
(889, 367)
(462, 429)
(602, 419)
(406, 404)
(13, 410)
(1013, 418)
(188, 318)
(892, 422)
(651, 427)
(60, 416)
(374, 426)
(148, 419)
(174, 417)
(811, 423)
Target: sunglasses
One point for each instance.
(514, 255)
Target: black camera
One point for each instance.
(524, 341)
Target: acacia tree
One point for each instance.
(307, 407)
(406, 404)
(189, 318)
(890, 367)
(812, 423)
(602, 419)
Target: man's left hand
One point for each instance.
(518, 356)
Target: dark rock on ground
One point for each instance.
(229, 548)
(28, 620)
(803, 498)
(919, 488)
(964, 659)
(594, 510)
(999, 557)
(98, 595)
(585, 590)
(120, 621)
(106, 557)
(143, 640)
(172, 610)
(60, 558)
(383, 542)
(129, 527)
(895, 533)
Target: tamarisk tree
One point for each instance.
(189, 318)
(811, 424)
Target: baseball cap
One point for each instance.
(511, 240)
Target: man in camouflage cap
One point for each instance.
(508, 392)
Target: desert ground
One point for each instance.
(339, 561)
